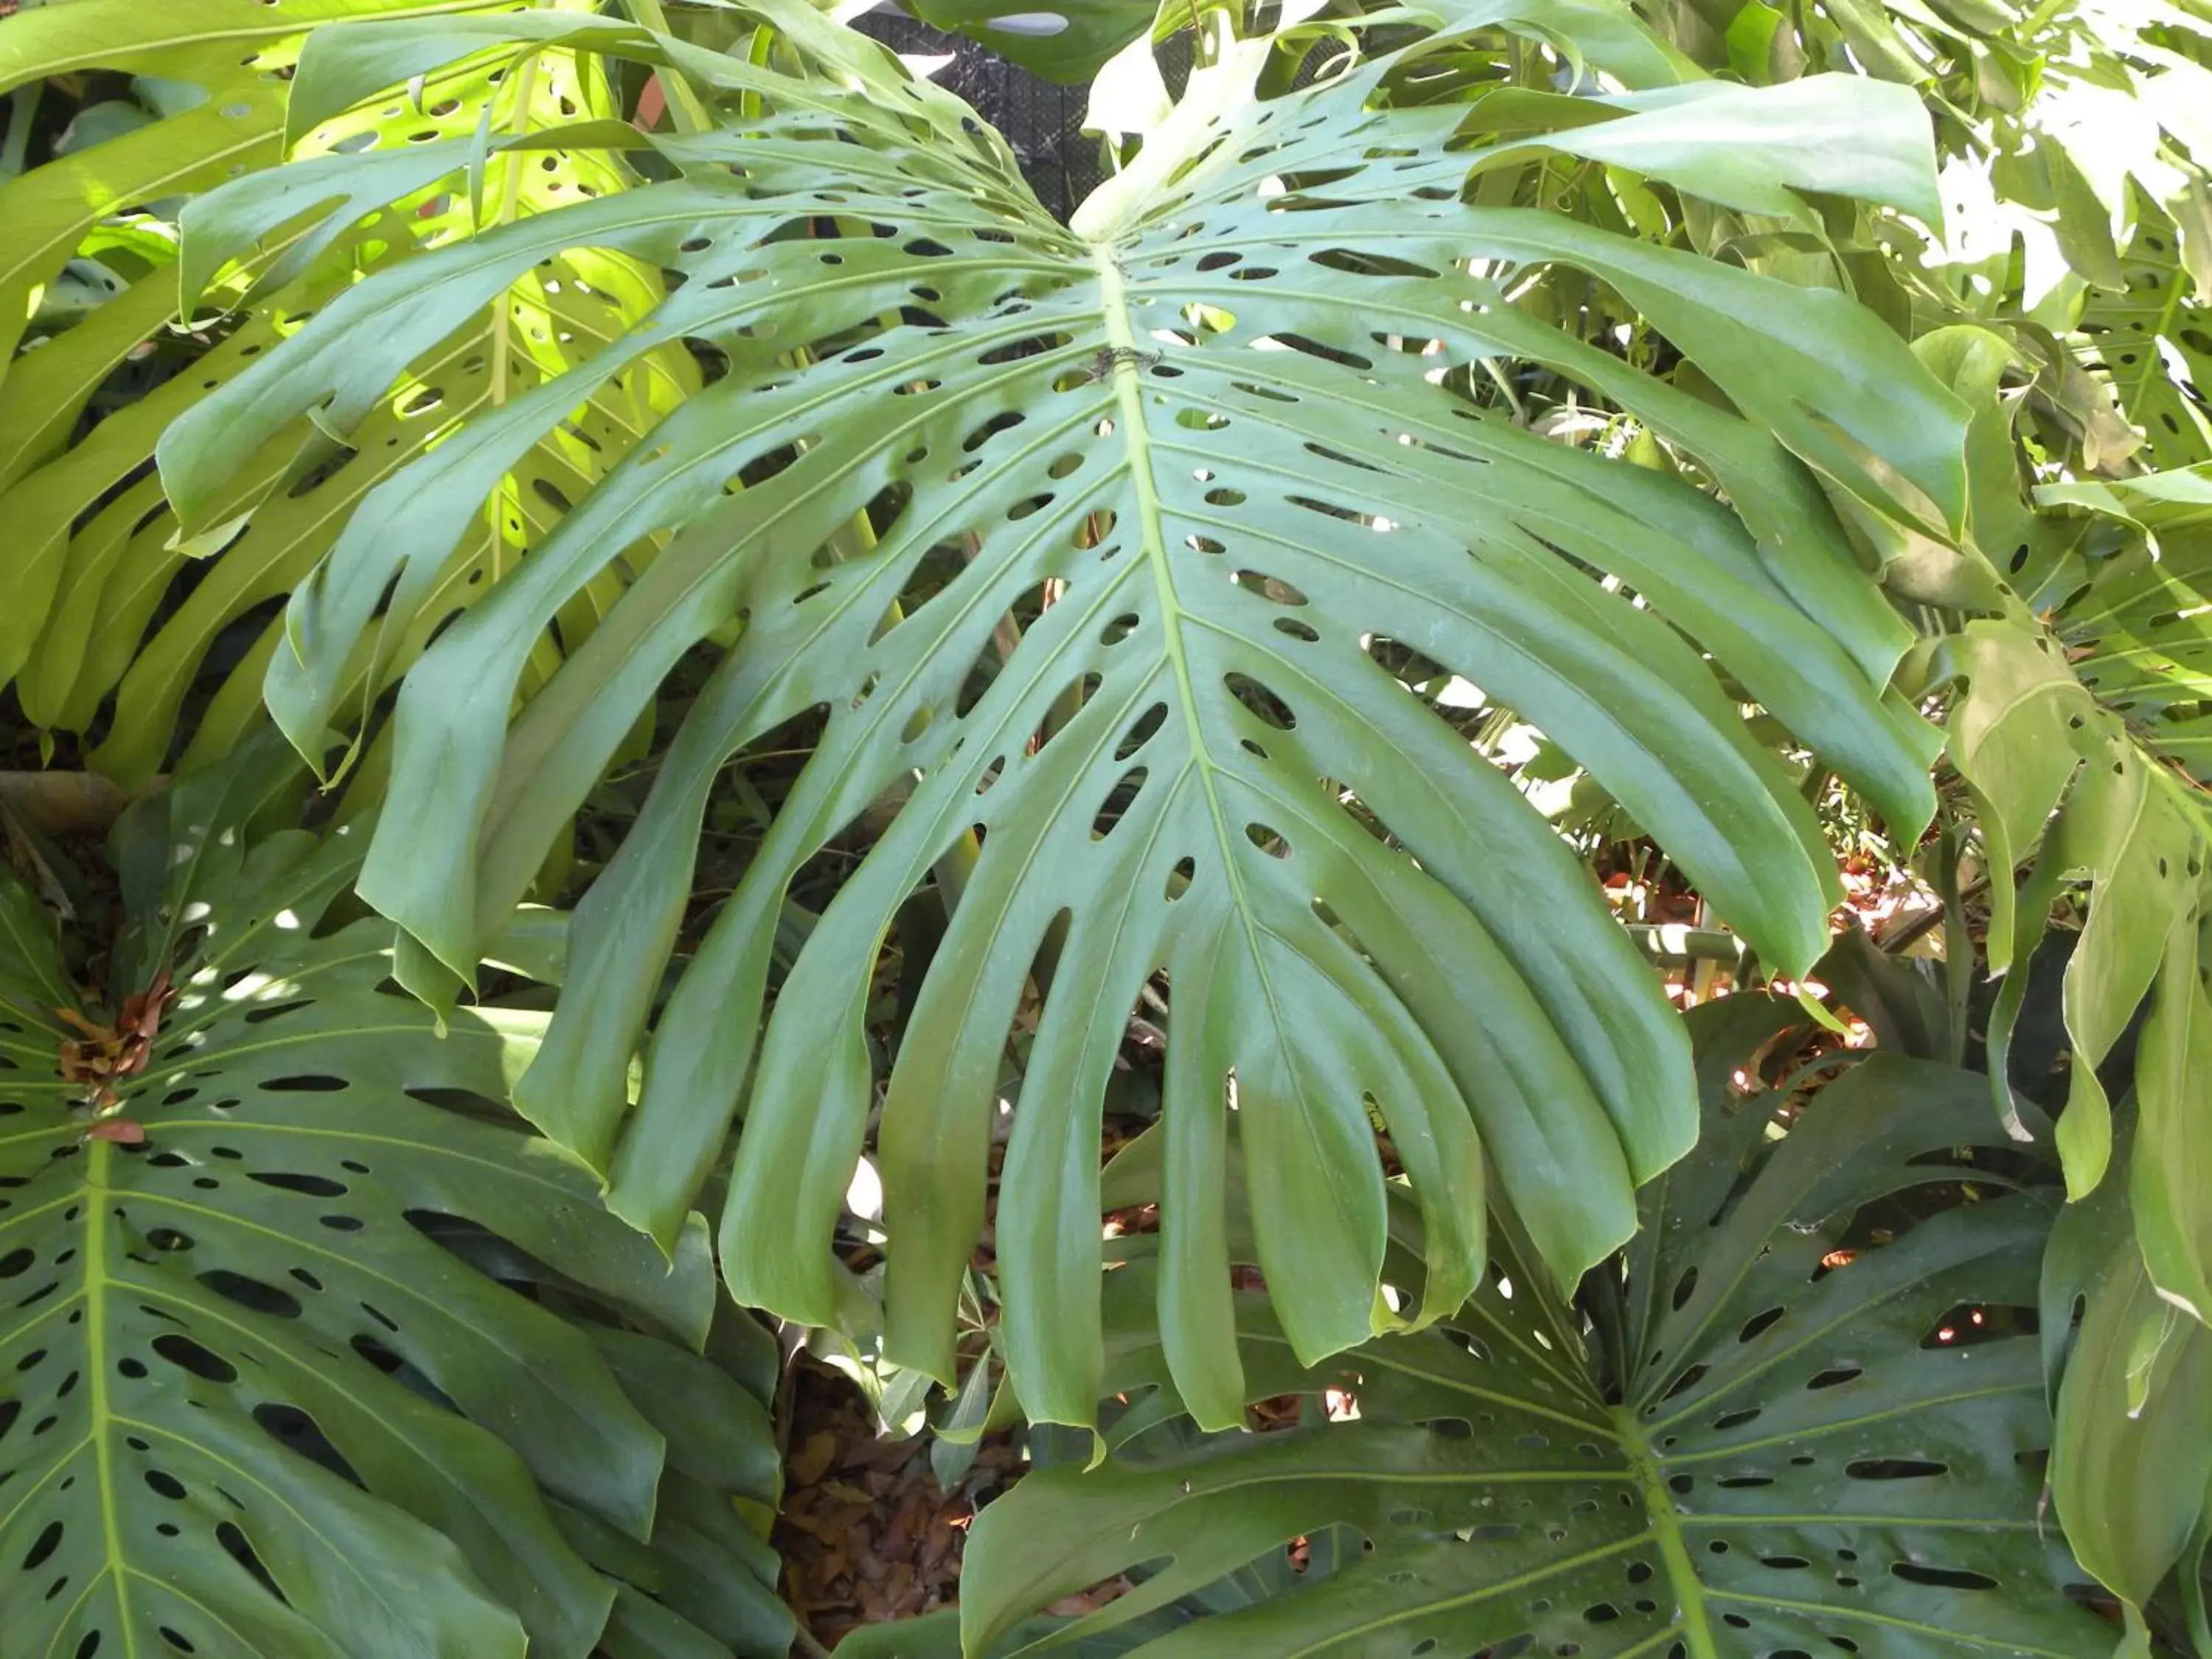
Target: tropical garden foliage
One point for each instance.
(614, 637)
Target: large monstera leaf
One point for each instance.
(1155, 498)
(111, 601)
(1770, 1433)
(300, 1363)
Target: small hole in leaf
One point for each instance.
(1758, 1322)
(1894, 1469)
(1688, 1379)
(313, 1185)
(253, 1293)
(1141, 732)
(1914, 1572)
(1262, 702)
(43, 1545)
(235, 1541)
(186, 1354)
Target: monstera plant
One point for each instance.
(1091, 549)
(311, 1348)
(1789, 1419)
(542, 412)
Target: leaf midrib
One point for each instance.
(1667, 1529)
(99, 1154)
(1136, 441)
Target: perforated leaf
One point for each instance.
(309, 1349)
(2153, 343)
(1824, 1440)
(2138, 630)
(1151, 500)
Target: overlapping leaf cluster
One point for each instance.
(110, 599)
(2075, 626)
(2063, 298)
(1776, 1436)
(310, 1349)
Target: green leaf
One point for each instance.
(2140, 632)
(1194, 461)
(1066, 40)
(289, 1370)
(2092, 707)
(2093, 718)
(103, 560)
(2135, 328)
(1757, 149)
(1821, 1441)
(2132, 1468)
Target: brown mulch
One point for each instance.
(867, 1534)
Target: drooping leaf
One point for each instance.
(1757, 148)
(296, 1342)
(1823, 1437)
(2131, 1465)
(1194, 464)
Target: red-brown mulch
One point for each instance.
(867, 1534)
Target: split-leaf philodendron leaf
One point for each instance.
(272, 1392)
(1092, 544)
(1777, 1429)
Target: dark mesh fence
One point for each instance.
(1041, 120)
